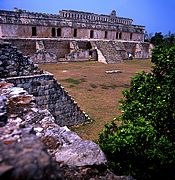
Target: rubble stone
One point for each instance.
(27, 133)
(48, 92)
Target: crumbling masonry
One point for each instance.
(49, 94)
(73, 36)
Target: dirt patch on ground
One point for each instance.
(95, 91)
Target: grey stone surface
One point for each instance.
(13, 63)
(3, 110)
(80, 153)
(48, 92)
(27, 159)
(30, 142)
(42, 56)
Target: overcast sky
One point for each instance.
(156, 15)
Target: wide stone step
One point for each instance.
(111, 54)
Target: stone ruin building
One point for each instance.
(33, 105)
(49, 93)
(33, 144)
(73, 36)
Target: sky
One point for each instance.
(156, 15)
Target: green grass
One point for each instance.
(110, 86)
(93, 86)
(96, 92)
(74, 81)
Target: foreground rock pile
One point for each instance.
(13, 63)
(32, 146)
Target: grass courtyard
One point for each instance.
(95, 91)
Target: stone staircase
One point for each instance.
(120, 48)
(74, 46)
(109, 51)
(101, 58)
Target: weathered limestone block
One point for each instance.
(109, 52)
(13, 63)
(23, 155)
(48, 92)
(42, 56)
(80, 153)
(3, 110)
(27, 159)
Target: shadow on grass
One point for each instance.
(74, 81)
(113, 86)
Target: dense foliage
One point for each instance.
(161, 40)
(144, 144)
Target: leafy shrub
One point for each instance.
(144, 146)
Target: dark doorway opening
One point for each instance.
(59, 32)
(75, 32)
(91, 34)
(116, 35)
(34, 33)
(120, 35)
(106, 34)
(53, 32)
(131, 36)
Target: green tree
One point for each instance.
(169, 39)
(147, 37)
(144, 145)
(157, 39)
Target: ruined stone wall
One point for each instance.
(27, 47)
(108, 50)
(13, 63)
(57, 50)
(81, 56)
(20, 70)
(33, 146)
(58, 47)
(52, 96)
(139, 50)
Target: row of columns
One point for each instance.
(95, 18)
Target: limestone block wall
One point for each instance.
(138, 37)
(58, 47)
(25, 31)
(67, 32)
(20, 70)
(110, 53)
(27, 47)
(54, 46)
(81, 55)
(13, 63)
(139, 50)
(49, 94)
(52, 50)
(42, 56)
(83, 33)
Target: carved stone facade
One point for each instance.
(73, 36)
(69, 24)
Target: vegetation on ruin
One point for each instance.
(143, 145)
